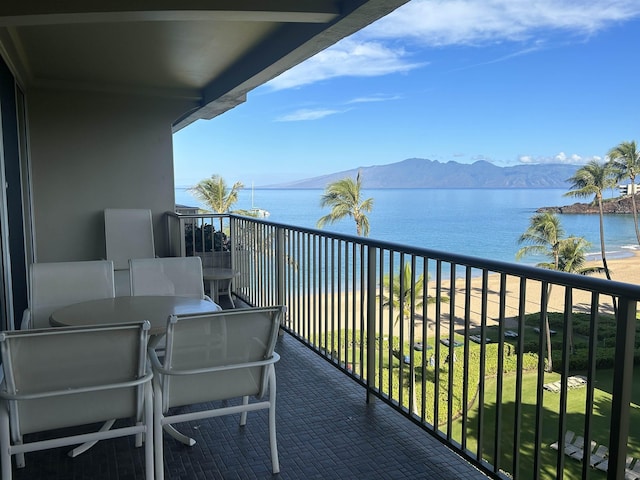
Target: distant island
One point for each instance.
(423, 173)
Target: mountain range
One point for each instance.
(424, 173)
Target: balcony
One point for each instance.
(494, 404)
(446, 379)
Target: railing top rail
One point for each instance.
(198, 215)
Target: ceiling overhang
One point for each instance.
(209, 52)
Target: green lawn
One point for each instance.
(575, 422)
(398, 389)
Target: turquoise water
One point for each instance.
(482, 223)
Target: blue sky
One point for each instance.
(507, 81)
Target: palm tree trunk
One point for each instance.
(602, 248)
(548, 333)
(635, 210)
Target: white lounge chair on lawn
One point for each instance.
(56, 378)
(599, 455)
(579, 454)
(220, 356)
(568, 438)
(604, 465)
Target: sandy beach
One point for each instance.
(622, 270)
(324, 313)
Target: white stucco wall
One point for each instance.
(91, 151)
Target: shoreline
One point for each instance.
(625, 270)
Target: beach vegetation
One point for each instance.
(545, 235)
(214, 193)
(625, 162)
(593, 179)
(405, 293)
(344, 197)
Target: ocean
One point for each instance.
(478, 222)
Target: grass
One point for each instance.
(396, 379)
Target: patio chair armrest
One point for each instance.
(71, 391)
(173, 371)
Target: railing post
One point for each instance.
(280, 267)
(622, 383)
(232, 230)
(372, 253)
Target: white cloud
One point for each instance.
(573, 159)
(469, 22)
(376, 50)
(307, 114)
(347, 58)
(375, 98)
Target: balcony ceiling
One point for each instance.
(212, 52)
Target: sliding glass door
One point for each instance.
(15, 246)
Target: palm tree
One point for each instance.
(408, 295)
(573, 257)
(625, 161)
(593, 179)
(395, 295)
(214, 193)
(343, 196)
(543, 237)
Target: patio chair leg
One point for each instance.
(273, 442)
(86, 446)
(243, 415)
(5, 444)
(181, 437)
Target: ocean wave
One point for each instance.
(612, 254)
(631, 247)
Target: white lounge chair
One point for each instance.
(220, 356)
(632, 473)
(580, 453)
(180, 276)
(599, 455)
(568, 438)
(575, 446)
(58, 284)
(65, 377)
(604, 465)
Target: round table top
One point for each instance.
(219, 273)
(155, 309)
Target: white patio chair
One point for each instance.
(180, 276)
(219, 356)
(58, 284)
(128, 234)
(65, 377)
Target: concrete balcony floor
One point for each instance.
(325, 428)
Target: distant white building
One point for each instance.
(628, 189)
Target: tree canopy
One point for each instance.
(214, 193)
(344, 198)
